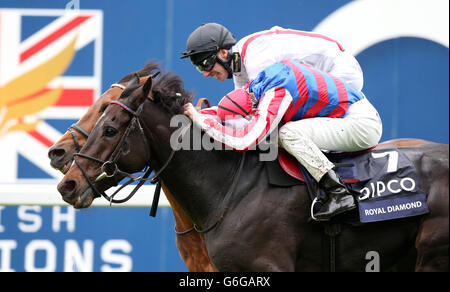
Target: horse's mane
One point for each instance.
(169, 90)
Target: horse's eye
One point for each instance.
(109, 132)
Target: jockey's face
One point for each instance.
(218, 71)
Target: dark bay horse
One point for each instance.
(254, 226)
(191, 245)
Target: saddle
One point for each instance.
(287, 171)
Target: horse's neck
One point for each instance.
(182, 220)
(199, 181)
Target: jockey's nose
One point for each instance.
(206, 74)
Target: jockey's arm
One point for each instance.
(211, 112)
(271, 109)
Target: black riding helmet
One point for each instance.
(208, 39)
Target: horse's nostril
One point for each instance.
(68, 187)
(58, 152)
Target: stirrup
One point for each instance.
(312, 211)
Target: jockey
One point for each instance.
(215, 53)
(317, 112)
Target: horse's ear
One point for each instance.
(148, 87)
(153, 76)
(134, 80)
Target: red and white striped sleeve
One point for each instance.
(211, 112)
(271, 109)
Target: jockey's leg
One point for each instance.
(304, 139)
(309, 155)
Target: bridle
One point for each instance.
(79, 129)
(110, 169)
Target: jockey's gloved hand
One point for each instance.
(190, 111)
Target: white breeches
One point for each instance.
(360, 129)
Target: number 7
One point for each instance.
(392, 159)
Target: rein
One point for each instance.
(227, 199)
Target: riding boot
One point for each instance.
(339, 199)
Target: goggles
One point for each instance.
(207, 64)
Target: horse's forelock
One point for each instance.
(169, 89)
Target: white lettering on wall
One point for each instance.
(2, 228)
(68, 217)
(32, 222)
(69, 255)
(50, 256)
(124, 261)
(6, 246)
(76, 260)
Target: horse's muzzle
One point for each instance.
(67, 190)
(60, 158)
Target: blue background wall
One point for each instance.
(405, 78)
(123, 239)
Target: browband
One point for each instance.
(125, 107)
(118, 85)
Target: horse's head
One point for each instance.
(61, 154)
(123, 138)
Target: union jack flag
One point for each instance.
(50, 72)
